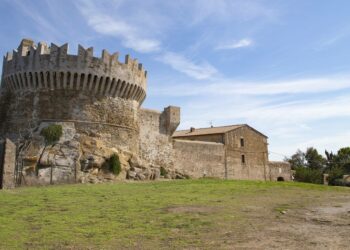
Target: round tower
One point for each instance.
(42, 83)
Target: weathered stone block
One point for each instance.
(7, 170)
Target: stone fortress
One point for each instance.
(97, 101)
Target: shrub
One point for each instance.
(114, 165)
(337, 182)
(52, 133)
(163, 171)
(309, 175)
(335, 175)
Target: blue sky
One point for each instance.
(282, 66)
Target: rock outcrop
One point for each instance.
(81, 158)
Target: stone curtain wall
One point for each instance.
(199, 159)
(155, 144)
(218, 138)
(8, 166)
(254, 151)
(2, 155)
(280, 169)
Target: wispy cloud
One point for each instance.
(43, 26)
(130, 35)
(290, 125)
(335, 38)
(180, 63)
(236, 44)
(225, 10)
(227, 87)
(289, 111)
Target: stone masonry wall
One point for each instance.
(199, 159)
(155, 144)
(115, 119)
(280, 169)
(218, 138)
(9, 163)
(254, 151)
(38, 67)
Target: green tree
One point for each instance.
(308, 166)
(330, 157)
(305, 174)
(342, 159)
(297, 160)
(334, 175)
(314, 160)
(52, 133)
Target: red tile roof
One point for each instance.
(210, 131)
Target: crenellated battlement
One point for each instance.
(37, 66)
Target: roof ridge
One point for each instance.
(216, 127)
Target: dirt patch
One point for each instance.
(321, 227)
(191, 209)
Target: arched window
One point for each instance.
(280, 178)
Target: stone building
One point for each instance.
(230, 152)
(97, 102)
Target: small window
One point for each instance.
(242, 142)
(243, 159)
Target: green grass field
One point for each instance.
(153, 215)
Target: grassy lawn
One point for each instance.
(153, 215)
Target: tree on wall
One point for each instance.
(51, 134)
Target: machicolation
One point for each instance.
(35, 67)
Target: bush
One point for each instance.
(113, 164)
(52, 133)
(335, 175)
(309, 175)
(163, 171)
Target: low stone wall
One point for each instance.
(8, 167)
(280, 171)
(199, 159)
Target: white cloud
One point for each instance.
(226, 87)
(331, 143)
(131, 36)
(293, 113)
(334, 38)
(236, 44)
(42, 24)
(289, 125)
(180, 63)
(225, 10)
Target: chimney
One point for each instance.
(192, 129)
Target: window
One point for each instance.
(243, 159)
(242, 142)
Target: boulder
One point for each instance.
(131, 175)
(141, 177)
(135, 162)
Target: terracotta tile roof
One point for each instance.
(205, 131)
(210, 131)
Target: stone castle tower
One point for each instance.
(95, 98)
(48, 84)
